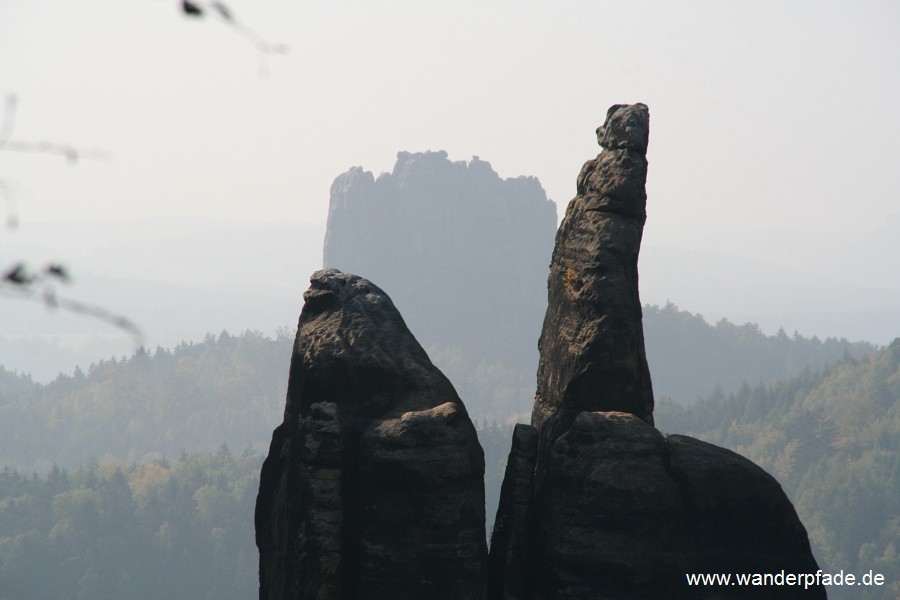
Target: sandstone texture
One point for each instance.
(596, 503)
(625, 512)
(592, 345)
(462, 252)
(373, 486)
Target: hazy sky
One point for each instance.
(774, 125)
(778, 114)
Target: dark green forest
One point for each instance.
(832, 439)
(230, 389)
(226, 389)
(689, 357)
(93, 494)
(180, 529)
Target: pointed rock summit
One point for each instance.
(592, 346)
(373, 486)
(374, 483)
(596, 503)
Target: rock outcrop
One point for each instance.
(626, 512)
(373, 486)
(462, 252)
(596, 502)
(592, 345)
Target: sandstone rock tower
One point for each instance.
(374, 483)
(592, 344)
(596, 503)
(373, 487)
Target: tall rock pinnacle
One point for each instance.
(592, 343)
(596, 503)
(373, 486)
(374, 483)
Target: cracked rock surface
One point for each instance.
(597, 503)
(374, 483)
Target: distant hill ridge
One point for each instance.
(832, 439)
(684, 350)
(229, 388)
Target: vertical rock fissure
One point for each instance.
(592, 343)
(618, 510)
(374, 483)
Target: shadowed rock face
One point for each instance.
(462, 252)
(596, 503)
(592, 344)
(373, 486)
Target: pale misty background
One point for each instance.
(774, 187)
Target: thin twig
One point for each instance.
(9, 119)
(49, 298)
(194, 9)
(69, 152)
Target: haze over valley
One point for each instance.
(191, 171)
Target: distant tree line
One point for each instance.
(181, 529)
(829, 434)
(230, 389)
(832, 439)
(689, 357)
(224, 389)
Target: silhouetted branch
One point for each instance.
(195, 9)
(9, 199)
(9, 117)
(71, 153)
(19, 283)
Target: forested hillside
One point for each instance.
(230, 389)
(832, 438)
(175, 530)
(226, 389)
(689, 357)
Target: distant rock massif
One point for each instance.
(373, 484)
(495, 233)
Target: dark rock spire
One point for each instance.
(373, 487)
(592, 343)
(596, 503)
(374, 483)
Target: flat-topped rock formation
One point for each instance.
(373, 487)
(374, 483)
(462, 252)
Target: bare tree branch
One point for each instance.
(71, 153)
(19, 281)
(48, 296)
(9, 119)
(9, 199)
(195, 9)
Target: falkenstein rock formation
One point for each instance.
(596, 503)
(431, 225)
(373, 483)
